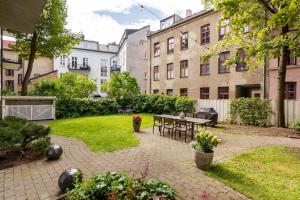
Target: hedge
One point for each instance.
(251, 111)
(69, 108)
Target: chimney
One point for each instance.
(188, 13)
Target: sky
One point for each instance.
(105, 20)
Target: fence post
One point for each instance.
(3, 108)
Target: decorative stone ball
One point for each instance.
(54, 152)
(68, 178)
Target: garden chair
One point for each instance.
(157, 122)
(182, 126)
(168, 123)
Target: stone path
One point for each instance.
(166, 159)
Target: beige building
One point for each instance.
(175, 60)
(12, 79)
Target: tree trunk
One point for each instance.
(33, 48)
(280, 118)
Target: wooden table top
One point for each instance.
(188, 119)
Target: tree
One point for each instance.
(274, 31)
(121, 86)
(49, 39)
(70, 85)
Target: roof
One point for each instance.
(185, 20)
(20, 15)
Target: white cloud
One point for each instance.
(82, 17)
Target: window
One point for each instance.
(102, 81)
(184, 44)
(183, 91)
(9, 84)
(205, 34)
(74, 62)
(223, 92)
(224, 28)
(241, 64)
(156, 73)
(85, 62)
(170, 71)
(62, 61)
(184, 73)
(170, 48)
(222, 58)
(290, 90)
(156, 91)
(156, 49)
(170, 92)
(292, 58)
(20, 79)
(104, 71)
(9, 72)
(204, 93)
(204, 69)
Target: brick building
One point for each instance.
(175, 67)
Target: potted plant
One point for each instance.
(203, 148)
(136, 122)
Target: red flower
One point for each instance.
(136, 119)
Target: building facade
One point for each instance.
(292, 85)
(91, 59)
(133, 55)
(174, 60)
(12, 78)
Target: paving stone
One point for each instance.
(165, 159)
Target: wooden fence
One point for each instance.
(222, 106)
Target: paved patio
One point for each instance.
(166, 159)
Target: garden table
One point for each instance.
(193, 121)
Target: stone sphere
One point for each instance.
(68, 178)
(54, 152)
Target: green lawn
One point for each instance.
(263, 173)
(101, 133)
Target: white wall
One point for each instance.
(94, 61)
(222, 106)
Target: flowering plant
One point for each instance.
(136, 120)
(205, 141)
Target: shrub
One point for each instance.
(251, 111)
(184, 104)
(41, 144)
(205, 141)
(295, 124)
(69, 108)
(16, 133)
(70, 85)
(114, 185)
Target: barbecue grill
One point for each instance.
(208, 113)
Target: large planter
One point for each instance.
(136, 127)
(203, 160)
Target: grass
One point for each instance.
(101, 133)
(263, 173)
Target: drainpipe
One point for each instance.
(150, 75)
(265, 82)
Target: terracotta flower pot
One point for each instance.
(137, 127)
(203, 160)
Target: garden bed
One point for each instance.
(255, 130)
(10, 159)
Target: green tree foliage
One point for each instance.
(274, 30)
(121, 86)
(16, 133)
(70, 85)
(49, 39)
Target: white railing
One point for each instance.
(222, 106)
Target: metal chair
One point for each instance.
(182, 126)
(157, 122)
(168, 123)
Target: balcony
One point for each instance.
(80, 68)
